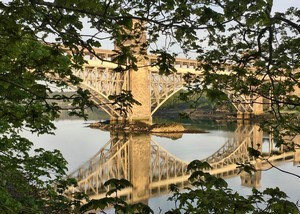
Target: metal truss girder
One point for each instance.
(164, 165)
(242, 103)
(103, 82)
(109, 162)
(235, 150)
(163, 87)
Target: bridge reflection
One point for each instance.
(151, 169)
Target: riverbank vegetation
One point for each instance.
(246, 49)
(196, 107)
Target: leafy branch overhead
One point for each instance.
(123, 102)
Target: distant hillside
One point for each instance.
(93, 114)
(195, 107)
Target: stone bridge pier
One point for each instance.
(139, 84)
(139, 162)
(139, 81)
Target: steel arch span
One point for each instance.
(147, 86)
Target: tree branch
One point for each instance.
(278, 16)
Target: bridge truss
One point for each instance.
(100, 78)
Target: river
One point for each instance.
(78, 144)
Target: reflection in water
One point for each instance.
(173, 136)
(151, 169)
(136, 158)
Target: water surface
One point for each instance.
(79, 143)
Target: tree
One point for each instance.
(41, 42)
(29, 69)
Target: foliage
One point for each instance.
(29, 72)
(181, 100)
(190, 103)
(258, 48)
(210, 194)
(123, 102)
(119, 204)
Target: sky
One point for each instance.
(278, 6)
(281, 5)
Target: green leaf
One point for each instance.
(254, 152)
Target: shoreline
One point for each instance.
(140, 127)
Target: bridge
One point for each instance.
(151, 169)
(147, 86)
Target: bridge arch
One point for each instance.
(164, 87)
(103, 82)
(161, 92)
(102, 100)
(162, 102)
(146, 84)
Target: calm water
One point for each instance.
(79, 143)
